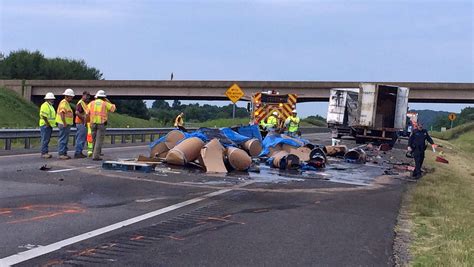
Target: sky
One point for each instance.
(410, 40)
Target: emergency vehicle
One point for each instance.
(265, 103)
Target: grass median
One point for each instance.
(441, 207)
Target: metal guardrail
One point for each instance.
(8, 135)
(114, 133)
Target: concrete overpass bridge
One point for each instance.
(307, 91)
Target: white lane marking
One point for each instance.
(39, 251)
(105, 149)
(72, 169)
(145, 200)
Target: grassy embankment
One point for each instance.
(441, 205)
(15, 112)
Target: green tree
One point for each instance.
(160, 104)
(23, 64)
(176, 104)
(134, 108)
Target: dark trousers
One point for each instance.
(419, 156)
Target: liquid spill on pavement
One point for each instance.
(337, 171)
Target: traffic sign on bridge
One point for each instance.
(234, 93)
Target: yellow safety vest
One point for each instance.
(294, 124)
(98, 111)
(272, 121)
(179, 121)
(47, 110)
(65, 108)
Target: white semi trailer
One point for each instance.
(382, 112)
(379, 113)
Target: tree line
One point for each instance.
(466, 115)
(162, 111)
(23, 64)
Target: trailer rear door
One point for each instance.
(401, 108)
(367, 100)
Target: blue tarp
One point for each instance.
(272, 140)
(251, 131)
(234, 136)
(157, 141)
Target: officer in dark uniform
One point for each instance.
(417, 145)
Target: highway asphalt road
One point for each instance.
(80, 214)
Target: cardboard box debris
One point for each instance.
(186, 151)
(212, 157)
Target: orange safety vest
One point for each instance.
(84, 109)
(98, 111)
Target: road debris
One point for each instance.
(441, 159)
(45, 168)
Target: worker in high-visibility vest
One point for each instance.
(292, 124)
(64, 120)
(272, 121)
(98, 115)
(81, 122)
(179, 122)
(46, 123)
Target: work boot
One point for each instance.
(80, 156)
(64, 157)
(46, 156)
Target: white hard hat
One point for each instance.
(275, 113)
(69, 92)
(100, 93)
(294, 111)
(49, 96)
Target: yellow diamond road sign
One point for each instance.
(234, 93)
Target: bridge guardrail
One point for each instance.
(8, 135)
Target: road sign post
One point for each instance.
(452, 117)
(234, 93)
